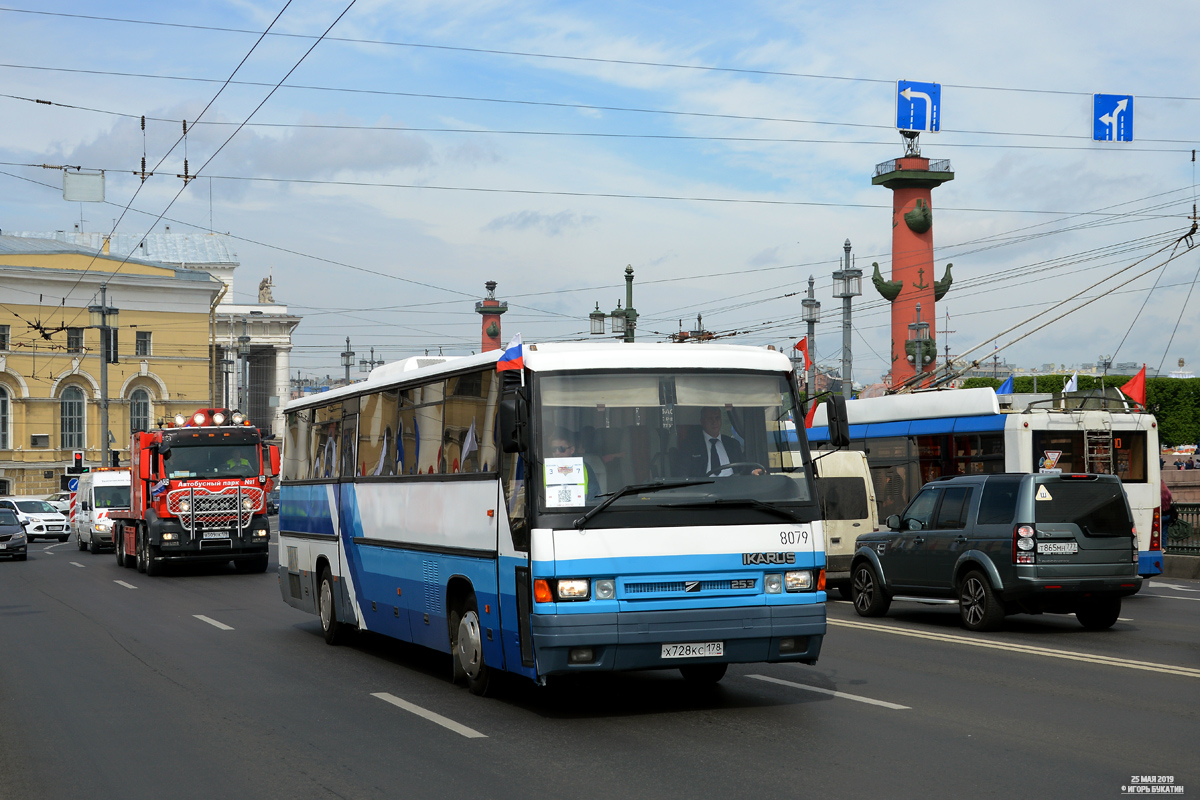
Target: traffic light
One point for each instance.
(77, 467)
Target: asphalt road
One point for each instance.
(108, 691)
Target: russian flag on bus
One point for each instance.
(514, 356)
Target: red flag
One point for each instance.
(1135, 389)
(802, 346)
(812, 412)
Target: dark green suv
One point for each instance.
(1005, 544)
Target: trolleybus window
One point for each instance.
(1121, 453)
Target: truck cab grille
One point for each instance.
(215, 509)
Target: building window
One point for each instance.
(74, 340)
(4, 344)
(142, 345)
(3, 418)
(71, 406)
(139, 411)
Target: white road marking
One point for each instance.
(126, 585)
(831, 692)
(1175, 586)
(445, 722)
(1123, 619)
(76, 564)
(212, 622)
(1091, 658)
(1173, 597)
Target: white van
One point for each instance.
(848, 507)
(100, 492)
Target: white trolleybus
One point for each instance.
(910, 439)
(604, 507)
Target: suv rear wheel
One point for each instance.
(867, 591)
(978, 605)
(1099, 615)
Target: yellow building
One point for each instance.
(50, 376)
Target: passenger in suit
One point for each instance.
(709, 454)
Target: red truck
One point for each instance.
(199, 492)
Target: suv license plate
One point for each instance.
(693, 650)
(1058, 548)
(216, 534)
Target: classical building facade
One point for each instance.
(50, 377)
(255, 381)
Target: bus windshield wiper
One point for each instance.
(738, 502)
(632, 489)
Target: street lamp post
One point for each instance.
(101, 317)
(812, 315)
(847, 283)
(368, 364)
(624, 320)
(347, 359)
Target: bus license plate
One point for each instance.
(693, 650)
(216, 534)
(1058, 548)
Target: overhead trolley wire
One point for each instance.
(577, 58)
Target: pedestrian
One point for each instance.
(1167, 508)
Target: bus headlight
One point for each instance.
(573, 589)
(800, 580)
(773, 584)
(185, 506)
(606, 589)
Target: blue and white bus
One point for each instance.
(910, 439)
(607, 507)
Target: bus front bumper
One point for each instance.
(627, 640)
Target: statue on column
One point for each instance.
(264, 291)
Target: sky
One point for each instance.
(725, 152)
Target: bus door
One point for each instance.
(347, 508)
(513, 568)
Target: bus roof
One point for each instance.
(918, 405)
(554, 356)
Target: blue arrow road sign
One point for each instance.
(73, 485)
(918, 106)
(1112, 117)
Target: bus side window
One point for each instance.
(514, 496)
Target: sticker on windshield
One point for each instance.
(1049, 461)
(1042, 493)
(566, 482)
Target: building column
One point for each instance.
(282, 385)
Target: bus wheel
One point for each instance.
(329, 622)
(869, 599)
(703, 673)
(468, 649)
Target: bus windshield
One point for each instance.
(213, 461)
(715, 437)
(111, 496)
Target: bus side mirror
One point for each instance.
(513, 422)
(839, 423)
(274, 460)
